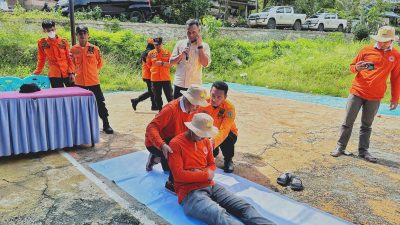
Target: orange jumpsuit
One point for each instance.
(56, 52)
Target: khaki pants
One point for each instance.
(369, 110)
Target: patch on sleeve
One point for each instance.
(230, 114)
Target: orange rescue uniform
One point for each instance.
(88, 62)
(371, 84)
(146, 74)
(186, 157)
(56, 51)
(168, 123)
(159, 73)
(224, 119)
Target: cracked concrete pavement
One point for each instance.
(275, 136)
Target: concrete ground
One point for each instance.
(275, 136)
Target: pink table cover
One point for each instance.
(47, 93)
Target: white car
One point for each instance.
(325, 21)
(277, 16)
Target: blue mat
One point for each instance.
(128, 172)
(325, 100)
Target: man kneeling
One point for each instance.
(193, 167)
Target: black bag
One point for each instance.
(29, 88)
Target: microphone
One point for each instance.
(187, 54)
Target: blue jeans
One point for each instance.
(216, 205)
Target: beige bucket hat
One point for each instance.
(202, 125)
(385, 33)
(196, 95)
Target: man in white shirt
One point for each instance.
(190, 55)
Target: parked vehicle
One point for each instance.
(4, 6)
(140, 9)
(277, 16)
(325, 21)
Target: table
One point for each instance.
(47, 120)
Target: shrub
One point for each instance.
(361, 32)
(211, 25)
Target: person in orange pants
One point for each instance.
(158, 61)
(88, 61)
(146, 75)
(55, 50)
(223, 113)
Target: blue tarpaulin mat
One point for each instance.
(325, 100)
(128, 172)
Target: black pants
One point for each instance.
(60, 82)
(158, 87)
(177, 91)
(148, 94)
(164, 162)
(101, 105)
(227, 147)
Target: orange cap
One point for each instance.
(150, 41)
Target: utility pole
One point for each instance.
(72, 21)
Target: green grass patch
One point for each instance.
(318, 66)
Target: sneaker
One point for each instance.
(154, 108)
(151, 161)
(170, 187)
(337, 152)
(134, 103)
(228, 167)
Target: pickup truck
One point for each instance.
(325, 21)
(139, 9)
(277, 16)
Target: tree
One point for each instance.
(179, 11)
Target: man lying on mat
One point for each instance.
(193, 167)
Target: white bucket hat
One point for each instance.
(202, 125)
(196, 95)
(385, 33)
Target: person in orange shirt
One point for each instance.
(158, 62)
(168, 123)
(55, 50)
(372, 67)
(88, 61)
(146, 75)
(193, 167)
(223, 113)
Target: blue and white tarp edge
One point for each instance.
(128, 172)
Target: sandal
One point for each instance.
(296, 184)
(284, 179)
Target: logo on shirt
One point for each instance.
(45, 44)
(391, 58)
(205, 150)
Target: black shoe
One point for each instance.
(134, 103)
(108, 129)
(296, 184)
(151, 161)
(284, 179)
(368, 157)
(170, 187)
(228, 166)
(154, 108)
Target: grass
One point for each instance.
(312, 66)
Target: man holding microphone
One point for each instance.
(190, 55)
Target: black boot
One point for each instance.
(134, 102)
(107, 128)
(228, 166)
